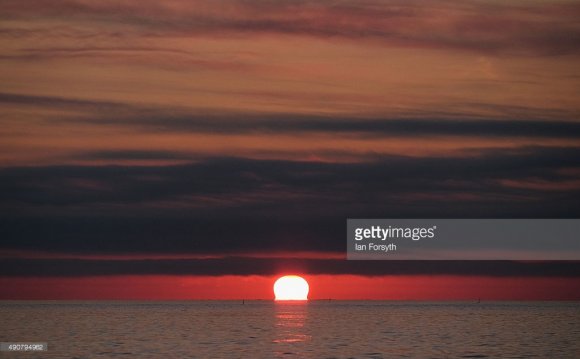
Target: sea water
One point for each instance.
(315, 329)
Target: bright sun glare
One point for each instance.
(291, 287)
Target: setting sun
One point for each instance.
(291, 287)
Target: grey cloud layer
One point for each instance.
(63, 185)
(233, 205)
(288, 124)
(272, 266)
(179, 120)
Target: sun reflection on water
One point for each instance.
(290, 323)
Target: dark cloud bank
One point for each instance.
(231, 206)
(272, 266)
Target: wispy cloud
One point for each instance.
(540, 28)
(144, 118)
(374, 127)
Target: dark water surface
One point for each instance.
(317, 329)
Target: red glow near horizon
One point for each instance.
(339, 287)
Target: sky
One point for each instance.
(199, 149)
